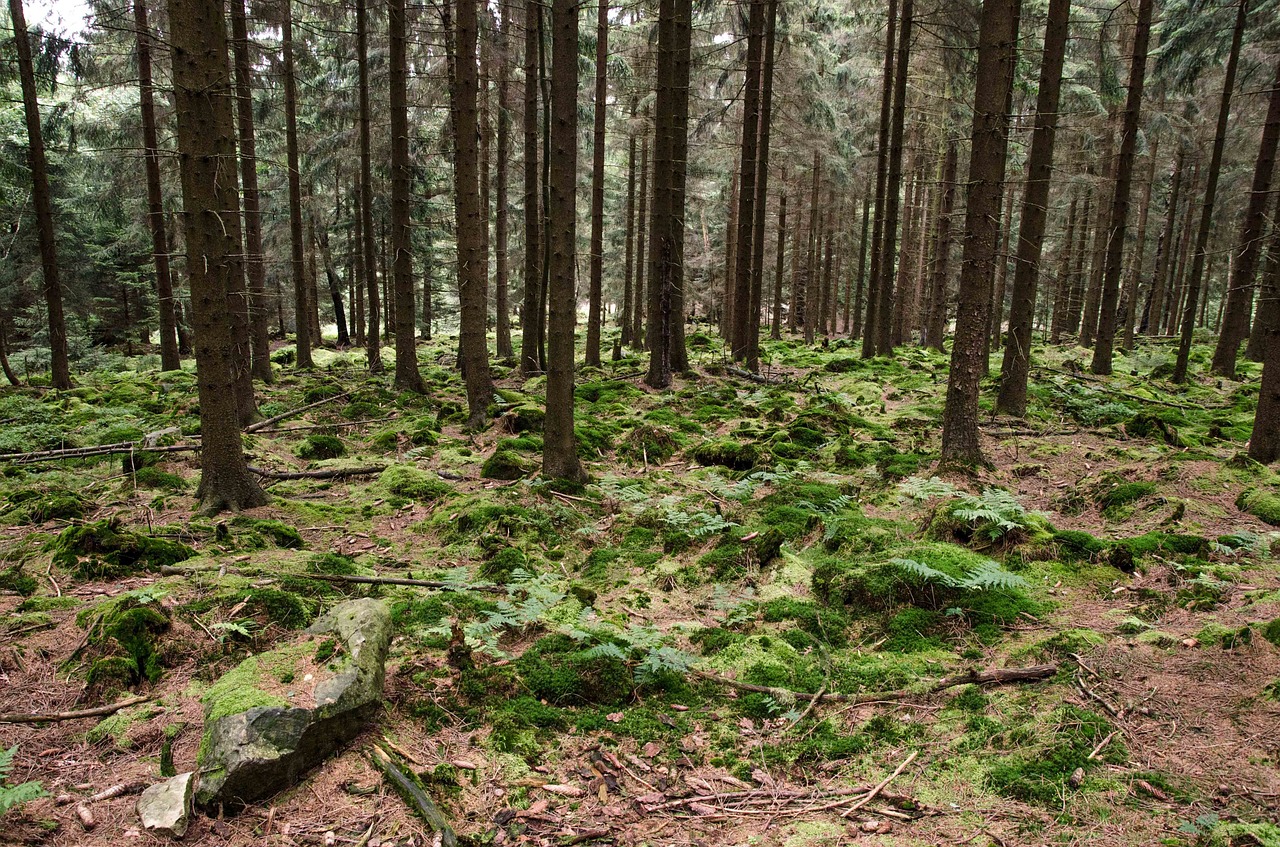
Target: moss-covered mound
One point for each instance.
(1262, 503)
(557, 669)
(103, 550)
(727, 453)
(37, 505)
(506, 465)
(408, 481)
(321, 447)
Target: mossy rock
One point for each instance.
(128, 626)
(104, 550)
(727, 453)
(1263, 504)
(524, 418)
(559, 670)
(256, 742)
(1115, 496)
(650, 443)
(13, 579)
(321, 447)
(505, 465)
(264, 532)
(35, 505)
(416, 484)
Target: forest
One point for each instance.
(772, 422)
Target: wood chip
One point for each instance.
(563, 790)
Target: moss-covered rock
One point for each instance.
(727, 453)
(36, 505)
(1262, 503)
(256, 743)
(321, 447)
(506, 465)
(259, 533)
(105, 550)
(409, 481)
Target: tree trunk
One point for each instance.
(335, 289)
(812, 310)
(43, 201)
(529, 364)
(666, 244)
(470, 225)
(1012, 399)
(372, 297)
(640, 311)
(863, 245)
(888, 247)
(1109, 317)
(202, 96)
(1166, 252)
(1129, 295)
(730, 257)
(407, 377)
(560, 447)
(1235, 325)
(748, 162)
(595, 291)
(313, 281)
(1210, 193)
(936, 328)
(4, 356)
(628, 270)
(169, 359)
(869, 334)
(297, 259)
(502, 219)
(762, 188)
(997, 51)
(1268, 305)
(775, 327)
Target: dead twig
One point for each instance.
(326, 473)
(261, 425)
(413, 795)
(871, 795)
(995, 676)
(53, 717)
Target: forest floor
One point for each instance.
(794, 537)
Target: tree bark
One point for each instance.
(1109, 317)
(298, 261)
(470, 225)
(997, 52)
(560, 447)
(1012, 399)
(1133, 281)
(640, 311)
(863, 245)
(373, 346)
(888, 247)
(502, 215)
(169, 358)
(748, 162)
(529, 361)
(1235, 325)
(775, 328)
(595, 290)
(202, 96)
(1210, 194)
(628, 271)
(407, 377)
(937, 322)
(762, 188)
(43, 202)
(869, 334)
(1166, 252)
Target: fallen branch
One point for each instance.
(88, 452)
(413, 795)
(1110, 390)
(53, 717)
(871, 795)
(996, 676)
(395, 580)
(261, 425)
(327, 473)
(118, 790)
(343, 425)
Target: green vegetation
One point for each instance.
(105, 550)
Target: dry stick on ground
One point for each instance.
(261, 425)
(871, 795)
(51, 717)
(413, 795)
(1115, 391)
(996, 676)
(344, 425)
(327, 473)
(87, 452)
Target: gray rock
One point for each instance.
(165, 808)
(256, 744)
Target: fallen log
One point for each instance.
(394, 580)
(53, 717)
(413, 795)
(996, 676)
(261, 425)
(88, 452)
(326, 473)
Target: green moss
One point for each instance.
(827, 624)
(238, 691)
(408, 481)
(35, 505)
(714, 639)
(283, 607)
(1261, 503)
(1074, 544)
(153, 477)
(500, 566)
(522, 725)
(727, 453)
(506, 465)
(262, 532)
(321, 447)
(1154, 425)
(598, 564)
(651, 444)
(331, 563)
(1271, 631)
(913, 630)
(1113, 498)
(558, 670)
(109, 551)
(13, 579)
(46, 604)
(1044, 778)
(1165, 543)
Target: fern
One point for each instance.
(15, 795)
(920, 489)
(926, 573)
(989, 576)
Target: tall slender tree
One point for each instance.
(43, 201)
(595, 289)
(169, 359)
(372, 297)
(869, 334)
(1196, 273)
(206, 141)
(296, 247)
(1109, 314)
(997, 52)
(502, 213)
(560, 446)
(888, 247)
(745, 218)
(529, 361)
(407, 377)
(472, 283)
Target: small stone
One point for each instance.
(1077, 777)
(165, 808)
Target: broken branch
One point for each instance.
(52, 717)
